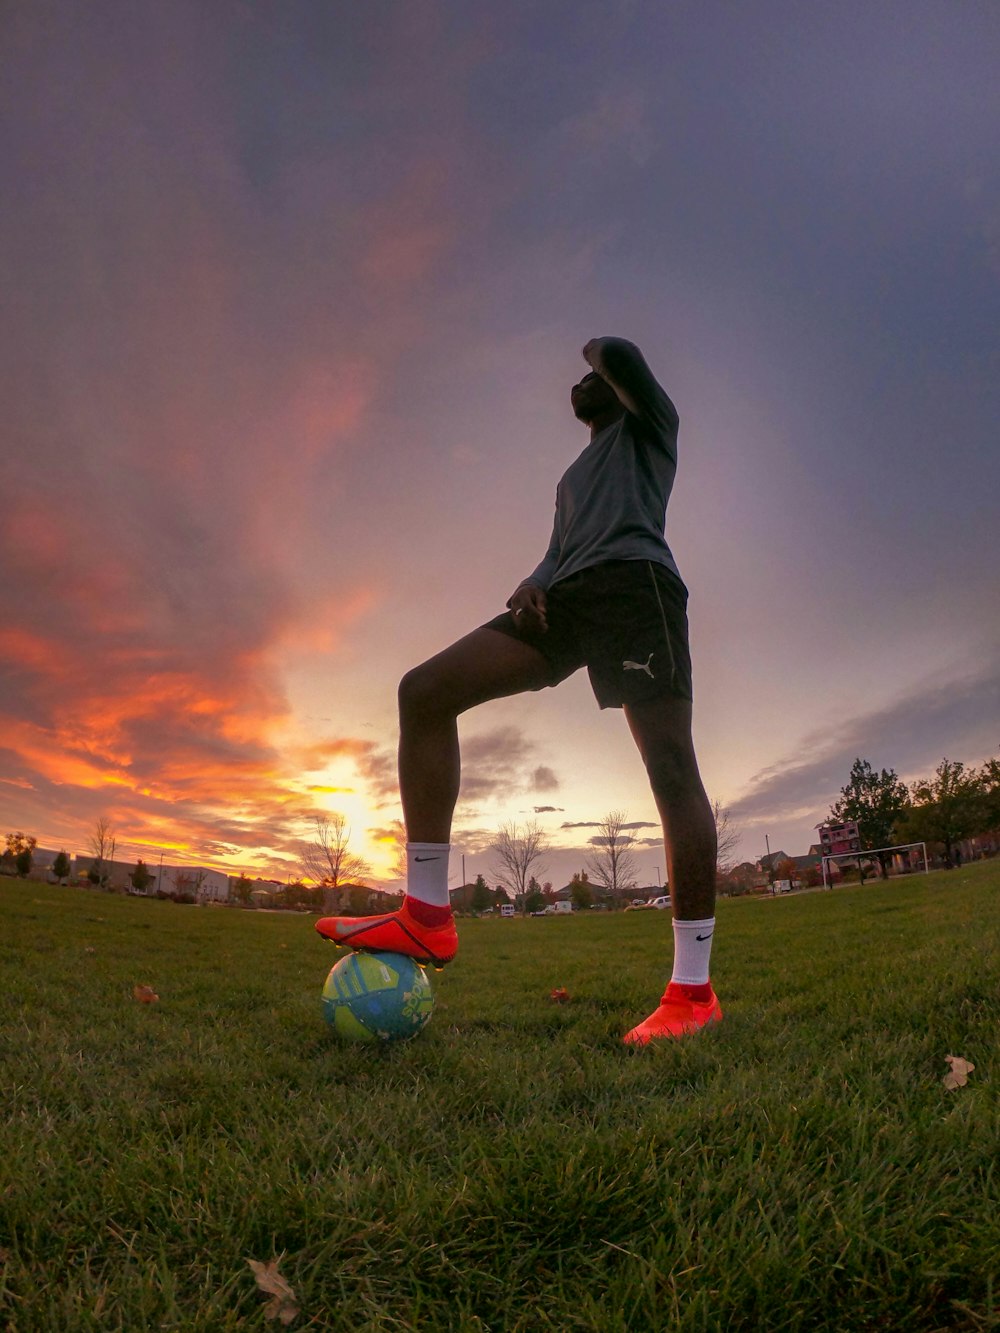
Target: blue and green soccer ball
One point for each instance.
(377, 997)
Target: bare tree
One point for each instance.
(187, 883)
(102, 845)
(613, 864)
(399, 865)
(328, 859)
(728, 835)
(518, 853)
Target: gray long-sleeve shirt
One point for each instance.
(611, 503)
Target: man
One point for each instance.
(607, 595)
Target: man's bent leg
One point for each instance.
(662, 731)
(484, 665)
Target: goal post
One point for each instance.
(869, 853)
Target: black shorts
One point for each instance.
(626, 622)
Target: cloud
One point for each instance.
(598, 823)
(547, 809)
(495, 766)
(614, 124)
(544, 779)
(954, 715)
(203, 341)
(600, 840)
(375, 763)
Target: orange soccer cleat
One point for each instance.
(676, 1015)
(395, 932)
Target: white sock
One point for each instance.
(692, 951)
(427, 872)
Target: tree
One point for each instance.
(187, 885)
(535, 900)
(989, 781)
(728, 836)
(613, 865)
(102, 845)
(18, 852)
(241, 889)
(358, 899)
(877, 801)
(580, 891)
(518, 851)
(299, 895)
(946, 808)
(140, 876)
(787, 869)
(481, 896)
(61, 867)
(400, 868)
(328, 859)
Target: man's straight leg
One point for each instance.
(662, 731)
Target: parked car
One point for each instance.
(641, 905)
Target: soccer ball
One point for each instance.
(377, 997)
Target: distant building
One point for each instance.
(205, 886)
(42, 860)
(195, 882)
(115, 874)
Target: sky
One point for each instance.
(293, 297)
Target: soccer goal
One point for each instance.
(906, 852)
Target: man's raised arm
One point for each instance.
(624, 367)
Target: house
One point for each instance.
(806, 869)
(743, 878)
(602, 897)
(358, 900)
(769, 864)
(461, 897)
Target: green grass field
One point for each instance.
(515, 1167)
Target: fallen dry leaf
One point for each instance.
(958, 1075)
(282, 1305)
(145, 994)
(559, 995)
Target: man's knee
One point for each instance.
(673, 773)
(422, 692)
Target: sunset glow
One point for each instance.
(297, 300)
